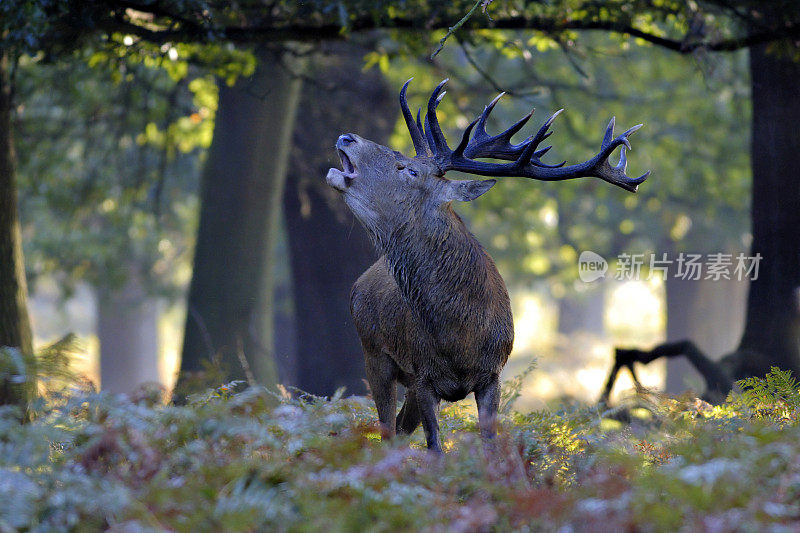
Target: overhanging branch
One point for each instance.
(182, 29)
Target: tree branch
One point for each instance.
(452, 29)
(186, 29)
(718, 382)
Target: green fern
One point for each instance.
(776, 397)
(26, 380)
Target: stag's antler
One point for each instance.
(525, 158)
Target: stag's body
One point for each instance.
(433, 312)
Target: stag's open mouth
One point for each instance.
(341, 179)
(347, 165)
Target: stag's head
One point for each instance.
(384, 188)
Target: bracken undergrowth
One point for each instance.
(256, 460)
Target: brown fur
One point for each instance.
(433, 312)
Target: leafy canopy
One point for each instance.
(58, 25)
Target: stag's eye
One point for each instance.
(411, 172)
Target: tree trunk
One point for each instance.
(127, 327)
(772, 329)
(329, 250)
(15, 329)
(230, 298)
(681, 298)
(285, 322)
(583, 313)
(710, 314)
(718, 315)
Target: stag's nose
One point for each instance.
(345, 140)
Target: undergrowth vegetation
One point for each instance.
(254, 460)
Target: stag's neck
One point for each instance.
(440, 267)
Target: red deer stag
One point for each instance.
(433, 312)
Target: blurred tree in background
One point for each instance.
(230, 297)
(328, 249)
(116, 208)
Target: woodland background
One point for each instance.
(162, 143)
(162, 197)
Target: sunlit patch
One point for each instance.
(634, 310)
(577, 365)
(533, 321)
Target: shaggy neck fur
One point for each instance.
(441, 270)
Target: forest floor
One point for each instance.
(261, 461)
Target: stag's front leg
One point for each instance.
(381, 374)
(488, 399)
(428, 403)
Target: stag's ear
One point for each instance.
(467, 190)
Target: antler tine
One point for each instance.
(480, 132)
(543, 132)
(609, 134)
(540, 136)
(608, 145)
(459, 151)
(419, 119)
(500, 147)
(429, 136)
(535, 160)
(525, 157)
(616, 174)
(433, 131)
(515, 127)
(420, 146)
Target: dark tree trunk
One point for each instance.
(230, 298)
(284, 317)
(772, 328)
(325, 263)
(15, 329)
(328, 249)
